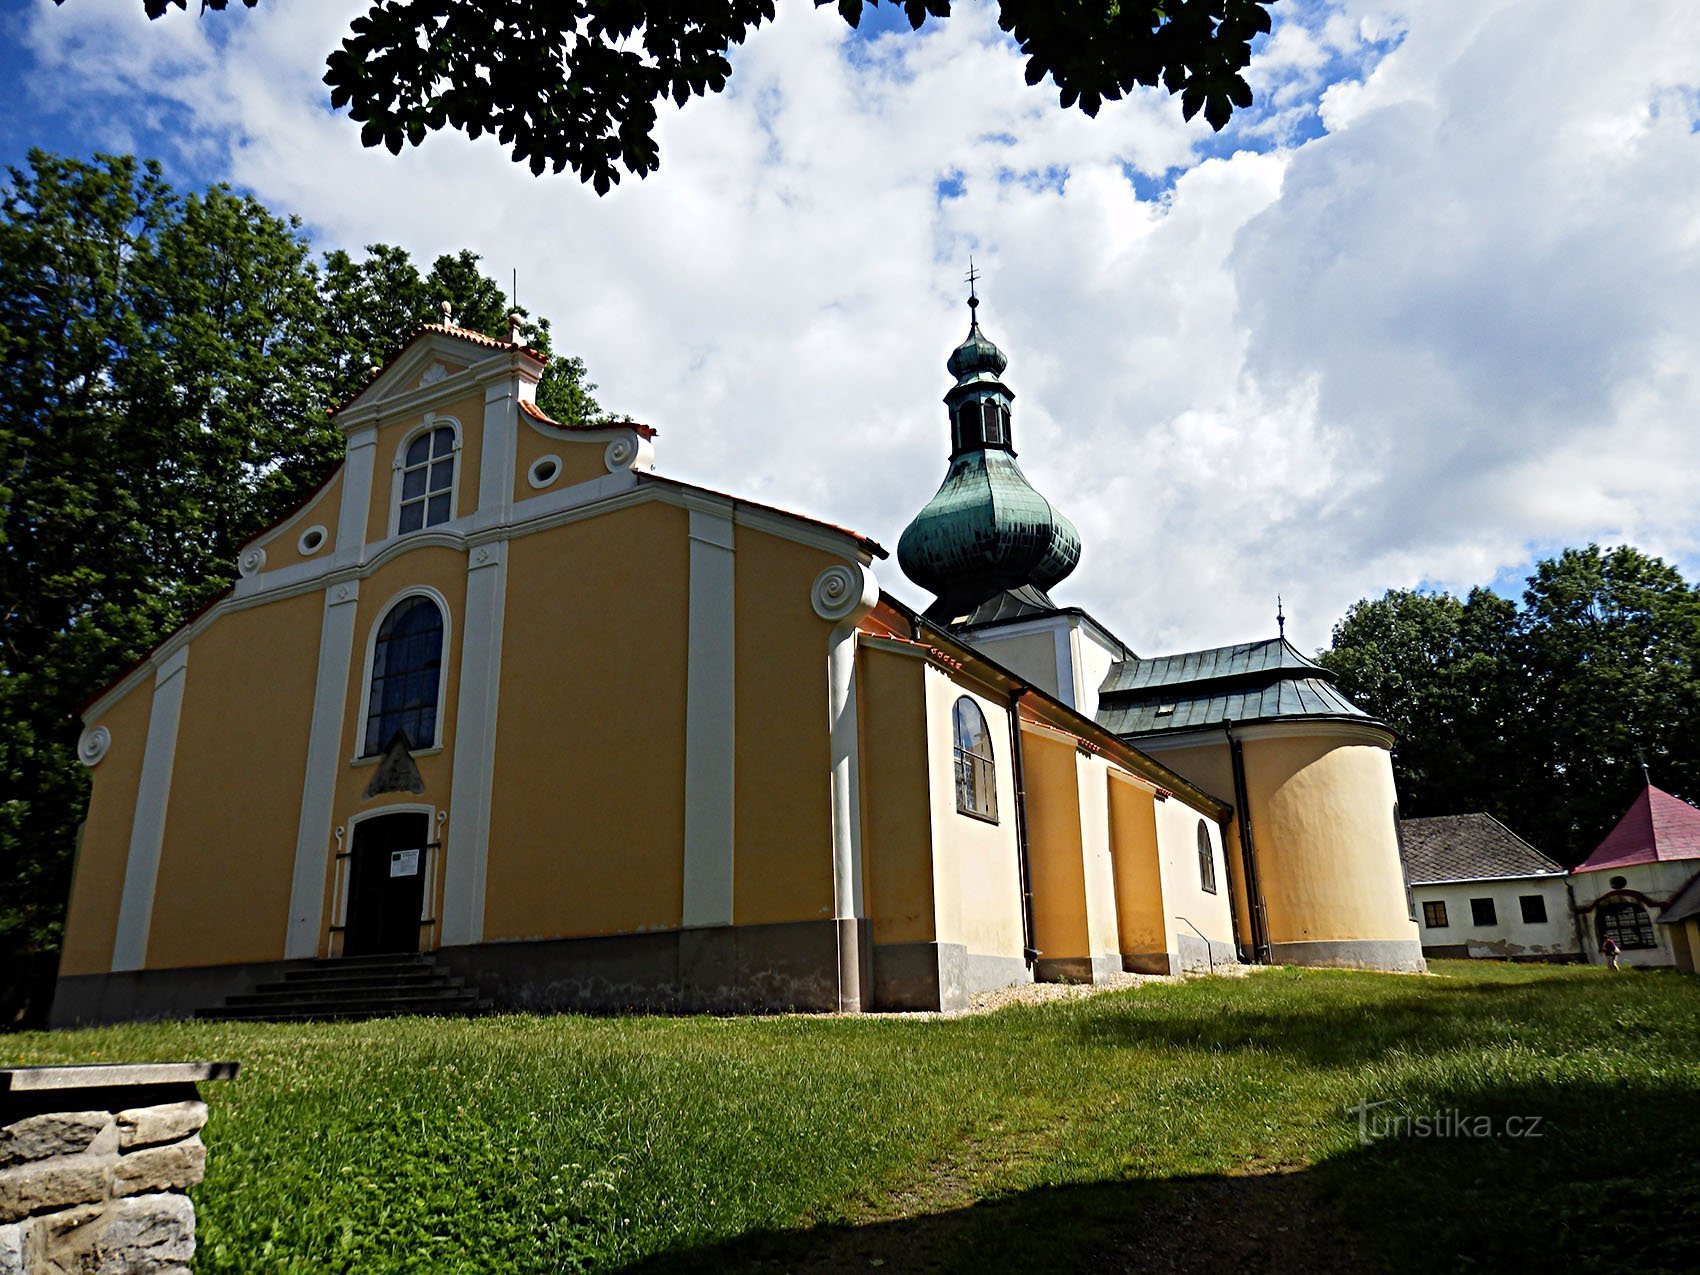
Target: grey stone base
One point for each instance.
(726, 969)
(938, 976)
(129, 996)
(1076, 969)
(1192, 955)
(1403, 956)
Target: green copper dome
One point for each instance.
(986, 531)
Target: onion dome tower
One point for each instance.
(987, 544)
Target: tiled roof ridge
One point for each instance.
(538, 414)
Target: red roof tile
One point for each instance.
(538, 414)
(1656, 828)
(443, 329)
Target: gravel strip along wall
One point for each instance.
(94, 1166)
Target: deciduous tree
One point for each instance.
(576, 83)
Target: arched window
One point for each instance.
(1206, 859)
(407, 663)
(1628, 923)
(427, 481)
(976, 775)
(997, 423)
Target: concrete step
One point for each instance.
(369, 990)
(303, 979)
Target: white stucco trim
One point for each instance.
(147, 829)
(1346, 730)
(606, 494)
(1519, 876)
(318, 790)
(363, 707)
(845, 593)
(710, 728)
(496, 458)
(357, 472)
(466, 857)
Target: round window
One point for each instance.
(312, 540)
(544, 470)
(1617, 883)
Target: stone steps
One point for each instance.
(353, 988)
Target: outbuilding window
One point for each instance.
(976, 774)
(407, 665)
(1534, 908)
(1434, 914)
(1206, 859)
(427, 481)
(1482, 912)
(1628, 923)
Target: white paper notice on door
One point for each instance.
(404, 863)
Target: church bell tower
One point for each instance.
(987, 544)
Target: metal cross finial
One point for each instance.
(971, 276)
(1280, 616)
(1645, 773)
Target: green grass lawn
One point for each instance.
(1166, 1127)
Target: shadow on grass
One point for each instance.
(1254, 1224)
(1598, 1176)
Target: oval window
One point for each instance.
(544, 470)
(312, 540)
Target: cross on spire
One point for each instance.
(971, 276)
(1280, 617)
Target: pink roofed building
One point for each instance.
(1641, 884)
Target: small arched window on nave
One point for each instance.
(976, 772)
(407, 668)
(1206, 859)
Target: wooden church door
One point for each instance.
(386, 884)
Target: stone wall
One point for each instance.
(94, 1164)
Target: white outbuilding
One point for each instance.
(1480, 890)
(1639, 884)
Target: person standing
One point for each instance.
(1609, 949)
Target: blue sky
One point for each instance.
(1421, 315)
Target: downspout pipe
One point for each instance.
(1260, 950)
(844, 594)
(1029, 953)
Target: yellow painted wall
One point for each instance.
(1322, 812)
(1184, 894)
(282, 546)
(581, 458)
(782, 866)
(978, 868)
(587, 818)
(1140, 913)
(1054, 848)
(222, 893)
(1098, 871)
(104, 850)
(897, 834)
(468, 411)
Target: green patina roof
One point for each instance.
(986, 531)
(1248, 682)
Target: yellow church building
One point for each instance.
(503, 705)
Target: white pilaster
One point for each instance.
(845, 594)
(147, 831)
(324, 762)
(357, 471)
(496, 456)
(467, 858)
(710, 695)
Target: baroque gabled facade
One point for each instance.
(592, 737)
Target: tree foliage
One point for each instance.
(167, 363)
(577, 83)
(1540, 714)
